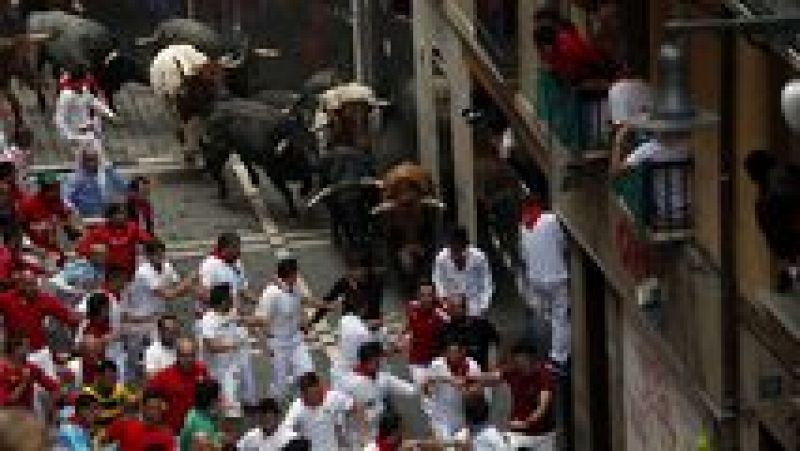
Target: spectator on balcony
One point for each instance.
(778, 211)
(566, 52)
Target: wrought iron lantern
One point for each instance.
(673, 110)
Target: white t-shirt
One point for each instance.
(628, 99)
(216, 326)
(447, 401)
(672, 204)
(254, 440)
(143, 300)
(157, 357)
(319, 425)
(353, 333)
(543, 247)
(474, 281)
(214, 271)
(283, 310)
(370, 394)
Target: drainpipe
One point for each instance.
(729, 431)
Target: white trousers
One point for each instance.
(554, 298)
(237, 381)
(543, 442)
(290, 360)
(42, 359)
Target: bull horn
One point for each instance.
(383, 208)
(145, 41)
(38, 37)
(267, 53)
(110, 57)
(330, 189)
(325, 192)
(433, 202)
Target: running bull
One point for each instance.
(263, 136)
(78, 42)
(234, 56)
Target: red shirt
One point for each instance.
(25, 317)
(6, 263)
(135, 435)
(10, 261)
(572, 58)
(424, 328)
(525, 389)
(42, 218)
(121, 243)
(178, 389)
(11, 376)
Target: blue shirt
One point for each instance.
(77, 278)
(74, 437)
(90, 193)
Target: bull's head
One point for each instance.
(407, 186)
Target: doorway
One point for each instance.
(598, 355)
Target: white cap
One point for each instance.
(628, 99)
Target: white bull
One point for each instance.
(168, 71)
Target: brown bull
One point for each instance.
(410, 218)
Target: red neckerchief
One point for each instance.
(529, 214)
(362, 371)
(79, 84)
(78, 421)
(459, 369)
(385, 444)
(218, 253)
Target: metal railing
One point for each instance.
(577, 115)
(658, 197)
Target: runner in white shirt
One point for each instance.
(446, 383)
(319, 413)
(266, 436)
(461, 269)
(224, 265)
(154, 282)
(369, 388)
(227, 351)
(544, 251)
(161, 352)
(281, 308)
(354, 331)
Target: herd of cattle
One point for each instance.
(312, 136)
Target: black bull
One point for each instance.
(263, 136)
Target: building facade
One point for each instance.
(684, 336)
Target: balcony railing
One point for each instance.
(576, 115)
(658, 197)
